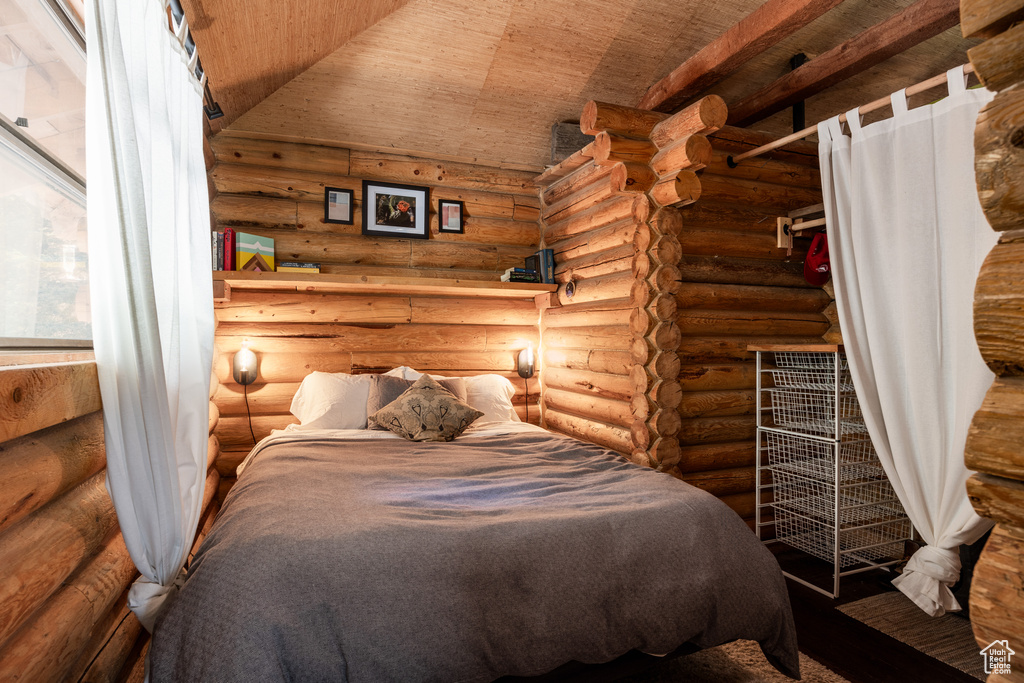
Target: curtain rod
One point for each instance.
(863, 109)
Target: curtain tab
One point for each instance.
(956, 80)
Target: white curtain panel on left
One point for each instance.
(907, 237)
(152, 295)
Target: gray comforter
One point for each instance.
(386, 560)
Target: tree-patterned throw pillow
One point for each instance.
(426, 412)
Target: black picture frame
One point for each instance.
(335, 210)
(393, 210)
(444, 221)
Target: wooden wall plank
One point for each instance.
(48, 646)
(997, 585)
(988, 18)
(999, 158)
(42, 550)
(997, 430)
(33, 397)
(997, 498)
(36, 468)
(999, 62)
(232, 149)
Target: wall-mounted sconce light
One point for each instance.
(526, 363)
(244, 365)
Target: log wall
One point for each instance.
(674, 260)
(993, 441)
(276, 189)
(297, 332)
(63, 591)
(738, 288)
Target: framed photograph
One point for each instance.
(450, 216)
(392, 210)
(338, 205)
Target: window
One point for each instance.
(43, 250)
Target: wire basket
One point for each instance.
(813, 458)
(807, 359)
(822, 380)
(865, 503)
(879, 543)
(814, 412)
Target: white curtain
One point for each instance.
(906, 239)
(152, 299)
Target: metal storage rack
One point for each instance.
(830, 496)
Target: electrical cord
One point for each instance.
(526, 381)
(245, 391)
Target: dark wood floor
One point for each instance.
(854, 650)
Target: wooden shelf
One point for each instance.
(323, 282)
(799, 348)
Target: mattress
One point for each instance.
(357, 556)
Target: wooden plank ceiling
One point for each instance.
(484, 81)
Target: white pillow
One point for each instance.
(490, 394)
(334, 400)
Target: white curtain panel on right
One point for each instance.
(906, 239)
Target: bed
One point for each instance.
(356, 555)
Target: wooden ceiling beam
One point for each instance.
(917, 23)
(752, 35)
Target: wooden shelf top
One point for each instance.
(324, 282)
(799, 348)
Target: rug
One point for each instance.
(948, 638)
(737, 662)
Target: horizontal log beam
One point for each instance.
(997, 430)
(603, 117)
(34, 397)
(606, 362)
(283, 155)
(704, 430)
(722, 482)
(742, 271)
(41, 551)
(997, 587)
(989, 18)
(999, 62)
(616, 387)
(451, 174)
(592, 431)
(717, 377)
(717, 403)
(705, 323)
(915, 24)
(999, 159)
(751, 297)
(999, 308)
(717, 456)
(752, 35)
(704, 116)
(48, 646)
(998, 499)
(612, 210)
(720, 350)
(611, 411)
(39, 467)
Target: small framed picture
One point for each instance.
(338, 205)
(392, 210)
(450, 216)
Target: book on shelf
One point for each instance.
(220, 251)
(543, 263)
(298, 267)
(520, 275)
(229, 249)
(254, 252)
